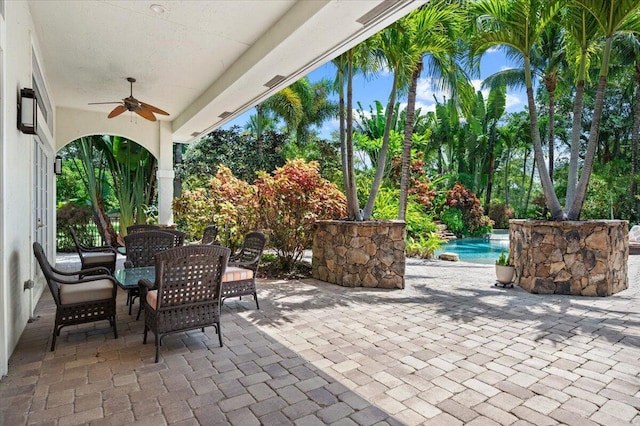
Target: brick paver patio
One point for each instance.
(450, 349)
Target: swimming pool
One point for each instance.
(478, 250)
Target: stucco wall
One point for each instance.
(17, 215)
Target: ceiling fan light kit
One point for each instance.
(130, 103)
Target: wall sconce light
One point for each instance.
(57, 165)
(28, 112)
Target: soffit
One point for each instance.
(198, 59)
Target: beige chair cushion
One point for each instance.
(86, 292)
(232, 273)
(98, 257)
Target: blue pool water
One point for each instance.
(478, 250)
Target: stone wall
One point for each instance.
(359, 254)
(587, 258)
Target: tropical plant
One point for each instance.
(290, 201)
(132, 170)
(503, 259)
(226, 201)
(91, 169)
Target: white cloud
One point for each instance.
(426, 90)
(492, 50)
(513, 101)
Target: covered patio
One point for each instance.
(449, 349)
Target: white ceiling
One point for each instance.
(198, 59)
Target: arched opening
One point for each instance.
(107, 184)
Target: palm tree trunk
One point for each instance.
(547, 185)
(353, 205)
(408, 135)
(576, 130)
(635, 138)
(533, 171)
(594, 131)
(382, 156)
(552, 137)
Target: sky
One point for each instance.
(368, 90)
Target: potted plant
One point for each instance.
(504, 270)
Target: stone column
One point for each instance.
(359, 254)
(587, 258)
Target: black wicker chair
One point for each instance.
(141, 228)
(209, 235)
(186, 292)
(92, 257)
(79, 300)
(248, 258)
(141, 248)
(178, 236)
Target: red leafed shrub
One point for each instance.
(473, 214)
(290, 201)
(419, 183)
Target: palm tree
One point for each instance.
(396, 45)
(613, 16)
(435, 29)
(552, 56)
(581, 36)
(363, 58)
(629, 54)
(519, 24)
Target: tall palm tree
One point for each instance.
(581, 35)
(552, 54)
(519, 24)
(628, 53)
(613, 16)
(435, 29)
(395, 43)
(363, 58)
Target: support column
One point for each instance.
(165, 175)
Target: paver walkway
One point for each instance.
(450, 349)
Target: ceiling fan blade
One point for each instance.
(104, 103)
(153, 109)
(145, 113)
(117, 111)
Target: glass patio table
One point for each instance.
(128, 278)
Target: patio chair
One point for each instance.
(141, 228)
(247, 258)
(186, 292)
(79, 300)
(209, 235)
(178, 236)
(92, 257)
(141, 248)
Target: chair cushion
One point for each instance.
(98, 258)
(152, 298)
(86, 292)
(232, 273)
(634, 234)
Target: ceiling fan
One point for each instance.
(130, 103)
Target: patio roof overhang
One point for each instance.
(205, 62)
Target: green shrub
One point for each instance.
(418, 222)
(79, 218)
(423, 247)
(452, 217)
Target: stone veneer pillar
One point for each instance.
(359, 254)
(587, 258)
